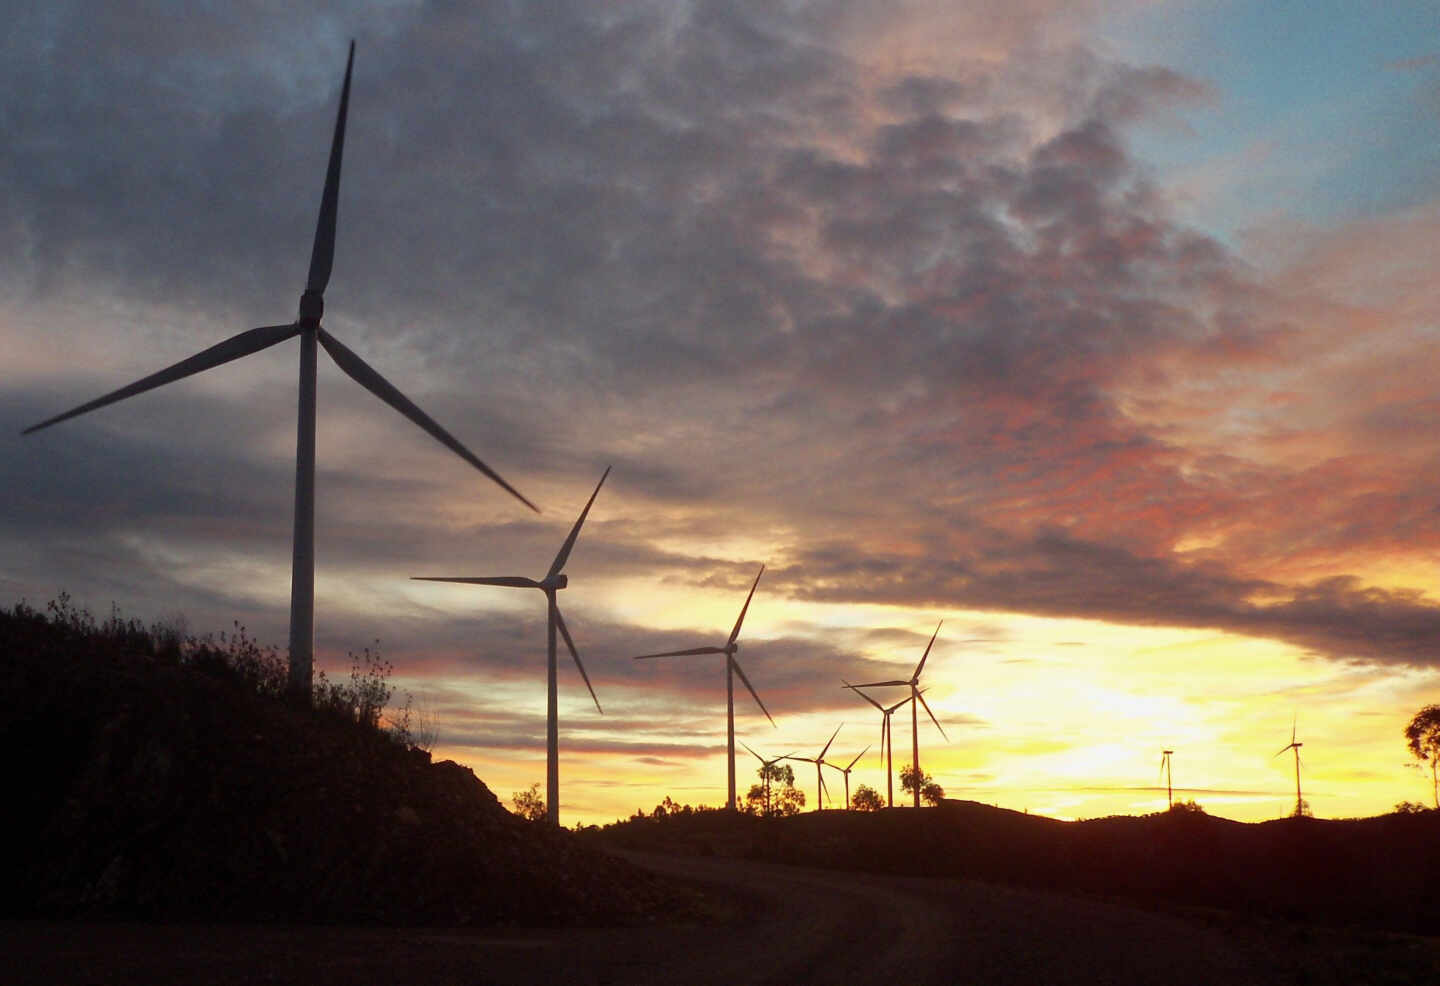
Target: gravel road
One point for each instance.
(780, 925)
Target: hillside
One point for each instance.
(1379, 873)
(149, 784)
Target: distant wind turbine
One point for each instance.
(913, 683)
(307, 327)
(1165, 768)
(820, 764)
(846, 771)
(1299, 804)
(732, 667)
(765, 766)
(554, 580)
(886, 747)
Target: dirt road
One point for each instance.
(780, 925)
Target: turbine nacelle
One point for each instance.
(557, 581)
(312, 308)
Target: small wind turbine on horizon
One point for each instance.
(820, 764)
(887, 753)
(1294, 745)
(913, 683)
(732, 668)
(554, 580)
(765, 766)
(1165, 769)
(307, 327)
(846, 771)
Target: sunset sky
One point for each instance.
(1103, 331)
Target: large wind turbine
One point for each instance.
(820, 765)
(732, 667)
(915, 694)
(765, 766)
(1299, 805)
(846, 771)
(307, 327)
(1165, 766)
(554, 580)
(887, 752)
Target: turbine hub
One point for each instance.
(558, 581)
(312, 306)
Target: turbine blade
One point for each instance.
(1283, 750)
(322, 255)
(921, 697)
(857, 759)
(251, 341)
(921, 666)
(879, 684)
(1294, 719)
(736, 665)
(514, 581)
(899, 703)
(569, 642)
(824, 790)
(564, 554)
(884, 735)
(831, 740)
(741, 618)
(753, 753)
(361, 372)
(857, 691)
(682, 653)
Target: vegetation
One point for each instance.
(1422, 736)
(1191, 807)
(776, 796)
(529, 805)
(180, 779)
(866, 798)
(930, 792)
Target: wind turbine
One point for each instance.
(765, 766)
(732, 667)
(915, 694)
(846, 772)
(819, 763)
(886, 747)
(307, 327)
(554, 580)
(1299, 805)
(1165, 767)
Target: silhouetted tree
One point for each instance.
(1409, 808)
(1190, 807)
(785, 799)
(866, 798)
(1423, 738)
(930, 792)
(528, 803)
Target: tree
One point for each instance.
(930, 792)
(866, 798)
(776, 795)
(1423, 738)
(528, 804)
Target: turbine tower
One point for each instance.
(913, 683)
(765, 766)
(307, 327)
(554, 580)
(846, 772)
(1299, 804)
(887, 752)
(1165, 768)
(820, 764)
(732, 668)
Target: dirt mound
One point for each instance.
(149, 788)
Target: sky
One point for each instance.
(1100, 331)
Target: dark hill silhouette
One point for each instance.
(149, 785)
(1380, 873)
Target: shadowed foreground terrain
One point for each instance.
(178, 823)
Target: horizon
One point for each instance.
(1098, 331)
